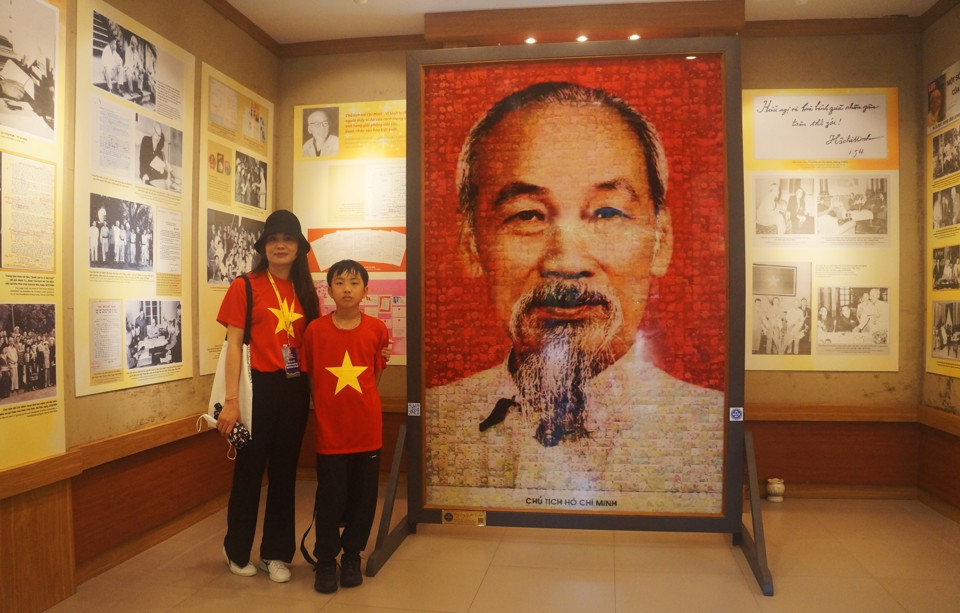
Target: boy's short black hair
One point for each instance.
(347, 267)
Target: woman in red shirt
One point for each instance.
(284, 302)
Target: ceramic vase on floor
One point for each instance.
(775, 489)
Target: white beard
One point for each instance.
(552, 379)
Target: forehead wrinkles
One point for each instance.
(557, 139)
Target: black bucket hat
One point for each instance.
(282, 222)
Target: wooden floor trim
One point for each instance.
(93, 567)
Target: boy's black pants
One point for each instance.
(346, 494)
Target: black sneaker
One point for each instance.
(350, 575)
(325, 579)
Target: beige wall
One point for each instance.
(855, 61)
(939, 48)
(807, 62)
(196, 27)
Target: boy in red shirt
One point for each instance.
(343, 353)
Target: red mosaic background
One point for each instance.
(686, 316)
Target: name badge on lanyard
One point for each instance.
(290, 361)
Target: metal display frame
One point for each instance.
(739, 470)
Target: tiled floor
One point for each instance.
(825, 555)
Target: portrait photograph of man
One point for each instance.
(575, 300)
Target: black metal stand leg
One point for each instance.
(387, 542)
(754, 547)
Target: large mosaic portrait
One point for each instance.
(575, 284)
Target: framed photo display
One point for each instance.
(575, 280)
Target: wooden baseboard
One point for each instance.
(940, 506)
(939, 420)
(107, 560)
(865, 492)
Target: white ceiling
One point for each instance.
(297, 21)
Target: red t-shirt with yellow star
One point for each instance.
(343, 365)
(267, 333)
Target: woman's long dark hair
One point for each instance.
(302, 282)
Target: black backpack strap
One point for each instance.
(249, 321)
(303, 541)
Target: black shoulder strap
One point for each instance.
(303, 541)
(249, 322)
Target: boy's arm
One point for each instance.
(383, 356)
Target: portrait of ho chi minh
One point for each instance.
(563, 374)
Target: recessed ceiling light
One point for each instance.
(530, 40)
(634, 37)
(582, 39)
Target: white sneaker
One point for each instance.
(279, 572)
(247, 571)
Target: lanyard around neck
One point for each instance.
(286, 314)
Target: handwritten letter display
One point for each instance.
(830, 127)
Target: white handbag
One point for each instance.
(243, 431)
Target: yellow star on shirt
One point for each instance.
(347, 374)
(285, 314)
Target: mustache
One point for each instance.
(564, 294)
(568, 293)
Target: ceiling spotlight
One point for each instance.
(530, 40)
(582, 39)
(691, 57)
(634, 37)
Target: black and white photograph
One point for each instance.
(321, 132)
(120, 234)
(230, 251)
(853, 316)
(28, 352)
(124, 63)
(946, 208)
(946, 331)
(160, 155)
(946, 267)
(852, 205)
(250, 183)
(784, 206)
(781, 309)
(152, 336)
(28, 54)
(946, 157)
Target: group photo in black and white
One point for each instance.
(28, 53)
(946, 329)
(784, 206)
(152, 336)
(852, 205)
(946, 267)
(28, 352)
(853, 315)
(230, 246)
(946, 152)
(124, 63)
(120, 234)
(250, 183)
(946, 207)
(781, 309)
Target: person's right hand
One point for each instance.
(229, 415)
